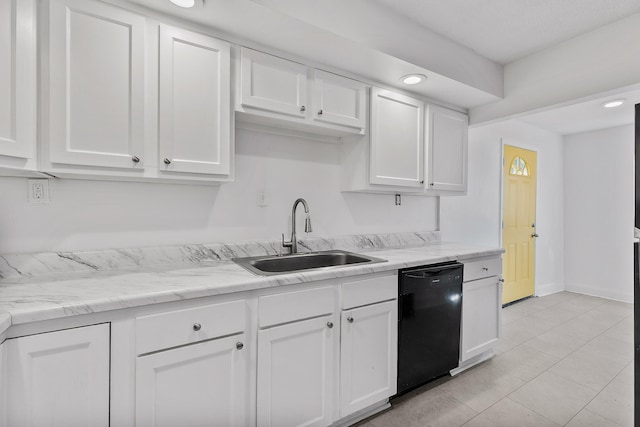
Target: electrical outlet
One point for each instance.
(38, 191)
(262, 200)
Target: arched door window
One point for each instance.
(519, 167)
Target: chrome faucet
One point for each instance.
(293, 243)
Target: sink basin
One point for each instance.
(270, 265)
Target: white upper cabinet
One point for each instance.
(397, 139)
(96, 85)
(338, 100)
(273, 84)
(275, 91)
(195, 103)
(447, 139)
(18, 126)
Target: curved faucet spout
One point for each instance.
(293, 243)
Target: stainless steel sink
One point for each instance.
(270, 265)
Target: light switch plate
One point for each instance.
(262, 199)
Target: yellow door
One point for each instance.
(518, 223)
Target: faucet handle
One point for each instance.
(286, 244)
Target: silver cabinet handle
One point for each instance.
(135, 159)
(320, 112)
(501, 280)
(534, 235)
(239, 345)
(197, 327)
(303, 108)
(329, 325)
(350, 319)
(167, 161)
(485, 269)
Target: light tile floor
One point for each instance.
(565, 359)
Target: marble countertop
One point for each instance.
(38, 299)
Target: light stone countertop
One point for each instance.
(39, 299)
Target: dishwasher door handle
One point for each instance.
(431, 271)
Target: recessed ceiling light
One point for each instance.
(614, 103)
(413, 79)
(184, 3)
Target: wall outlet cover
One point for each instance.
(38, 191)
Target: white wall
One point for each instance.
(477, 217)
(599, 211)
(87, 215)
(603, 60)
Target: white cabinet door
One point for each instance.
(368, 362)
(273, 84)
(447, 130)
(397, 139)
(202, 384)
(295, 373)
(338, 100)
(195, 103)
(96, 85)
(481, 316)
(18, 78)
(59, 378)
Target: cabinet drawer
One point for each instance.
(292, 306)
(487, 267)
(165, 330)
(368, 291)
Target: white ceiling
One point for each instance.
(587, 116)
(505, 30)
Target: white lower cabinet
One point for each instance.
(200, 384)
(368, 356)
(296, 373)
(58, 378)
(481, 328)
(481, 316)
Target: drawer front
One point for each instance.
(166, 330)
(292, 306)
(487, 267)
(368, 291)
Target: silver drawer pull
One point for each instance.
(350, 319)
(485, 269)
(239, 345)
(197, 327)
(329, 325)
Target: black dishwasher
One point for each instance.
(429, 313)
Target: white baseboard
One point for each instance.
(362, 414)
(601, 292)
(472, 362)
(549, 288)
